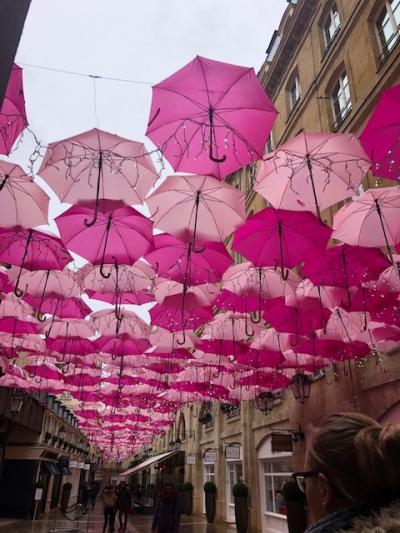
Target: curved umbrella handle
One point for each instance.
(211, 139)
(17, 291)
(102, 273)
(216, 159)
(181, 343)
(3, 183)
(97, 200)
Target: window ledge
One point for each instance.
(275, 515)
(292, 112)
(232, 419)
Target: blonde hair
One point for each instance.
(359, 456)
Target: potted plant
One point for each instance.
(210, 491)
(65, 494)
(187, 497)
(240, 493)
(294, 500)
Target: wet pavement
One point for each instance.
(93, 523)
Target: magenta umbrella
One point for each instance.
(210, 117)
(120, 234)
(58, 306)
(312, 171)
(11, 324)
(12, 113)
(98, 165)
(23, 202)
(371, 220)
(281, 238)
(197, 208)
(33, 250)
(174, 259)
(173, 319)
(346, 266)
(121, 345)
(380, 137)
(334, 349)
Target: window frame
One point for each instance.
(337, 93)
(329, 21)
(387, 47)
(272, 476)
(293, 91)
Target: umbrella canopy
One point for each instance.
(97, 164)
(371, 220)
(281, 238)
(210, 117)
(120, 234)
(12, 113)
(312, 171)
(380, 137)
(197, 208)
(23, 202)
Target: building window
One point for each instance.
(341, 100)
(388, 27)
(251, 175)
(235, 474)
(332, 25)
(209, 473)
(276, 474)
(293, 91)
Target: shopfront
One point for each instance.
(234, 473)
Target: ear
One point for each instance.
(326, 492)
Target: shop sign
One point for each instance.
(73, 464)
(281, 442)
(38, 494)
(191, 459)
(86, 466)
(210, 456)
(232, 452)
(81, 465)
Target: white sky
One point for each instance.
(130, 39)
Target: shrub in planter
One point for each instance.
(240, 493)
(65, 494)
(210, 490)
(295, 501)
(187, 497)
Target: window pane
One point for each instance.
(269, 499)
(395, 5)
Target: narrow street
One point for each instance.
(93, 523)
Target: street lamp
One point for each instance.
(62, 432)
(265, 402)
(300, 387)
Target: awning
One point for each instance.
(52, 469)
(148, 462)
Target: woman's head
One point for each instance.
(168, 492)
(351, 458)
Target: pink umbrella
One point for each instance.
(98, 165)
(178, 295)
(48, 372)
(166, 341)
(122, 298)
(265, 380)
(210, 117)
(179, 354)
(12, 113)
(389, 280)
(197, 208)
(57, 306)
(127, 322)
(23, 202)
(70, 345)
(121, 345)
(312, 171)
(110, 238)
(18, 327)
(43, 282)
(280, 238)
(174, 259)
(175, 319)
(346, 266)
(261, 359)
(389, 315)
(371, 220)
(33, 250)
(71, 327)
(333, 349)
(380, 137)
(11, 305)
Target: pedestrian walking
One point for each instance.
(124, 504)
(352, 475)
(94, 491)
(109, 498)
(167, 515)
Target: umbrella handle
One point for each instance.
(41, 318)
(198, 250)
(284, 274)
(211, 139)
(3, 183)
(17, 291)
(181, 343)
(249, 333)
(96, 209)
(103, 273)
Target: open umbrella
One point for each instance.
(312, 171)
(12, 113)
(120, 234)
(380, 137)
(33, 250)
(95, 165)
(197, 208)
(23, 202)
(210, 117)
(279, 238)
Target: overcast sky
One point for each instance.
(137, 40)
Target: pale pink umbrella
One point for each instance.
(128, 322)
(95, 165)
(201, 295)
(64, 328)
(11, 305)
(42, 282)
(210, 117)
(312, 171)
(23, 202)
(13, 118)
(343, 325)
(196, 208)
(389, 280)
(371, 220)
(329, 296)
(166, 341)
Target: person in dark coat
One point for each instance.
(167, 515)
(110, 499)
(124, 504)
(352, 475)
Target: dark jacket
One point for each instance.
(124, 498)
(167, 516)
(361, 519)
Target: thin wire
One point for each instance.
(83, 75)
(96, 116)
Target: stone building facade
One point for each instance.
(325, 68)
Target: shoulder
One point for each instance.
(386, 519)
